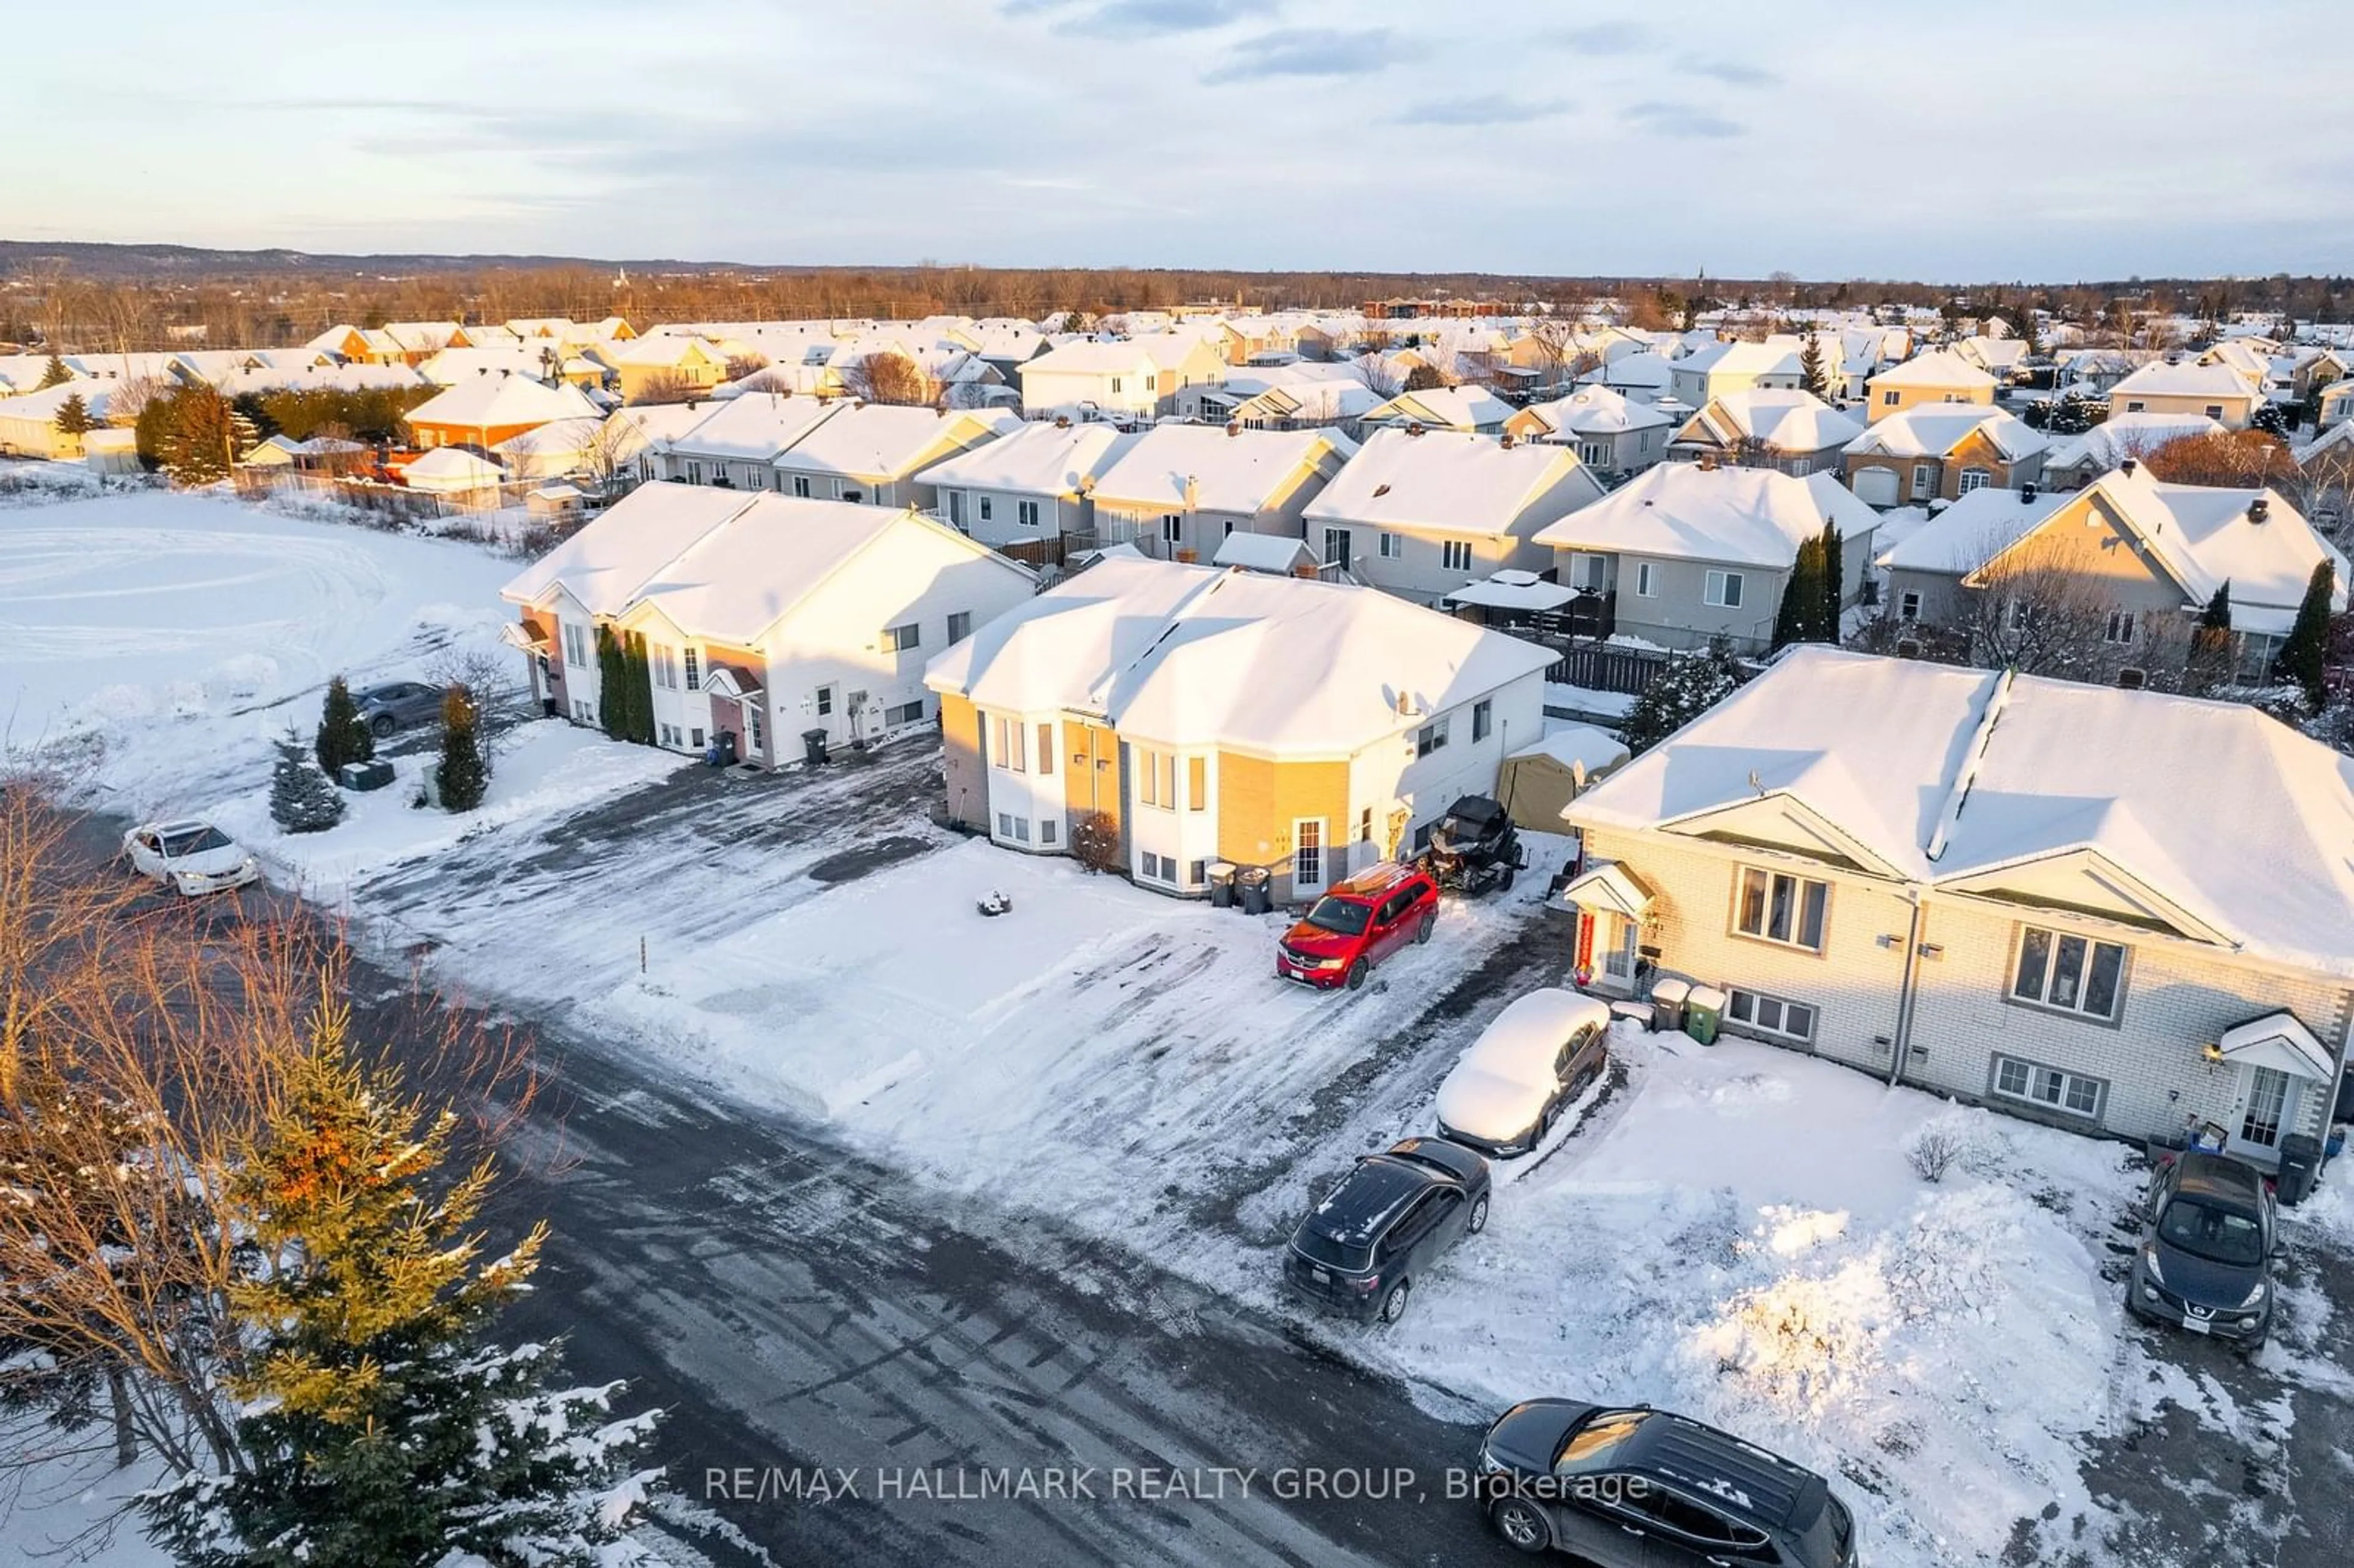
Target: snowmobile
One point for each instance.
(1474, 848)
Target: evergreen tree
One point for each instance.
(384, 1428)
(2217, 616)
(1808, 611)
(1814, 371)
(2272, 419)
(462, 778)
(343, 736)
(200, 443)
(2305, 657)
(640, 678)
(73, 416)
(2030, 337)
(1834, 581)
(54, 374)
(612, 684)
(301, 800)
(2070, 416)
(1689, 687)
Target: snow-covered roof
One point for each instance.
(1579, 746)
(1788, 419)
(1744, 359)
(487, 402)
(1113, 357)
(758, 426)
(1445, 407)
(1593, 411)
(1731, 516)
(1646, 370)
(1452, 481)
(1972, 531)
(1907, 762)
(1037, 458)
(1513, 591)
(1933, 430)
(1263, 552)
(604, 563)
(881, 441)
(1196, 656)
(452, 468)
(1940, 368)
(41, 407)
(1213, 468)
(2121, 436)
(2159, 379)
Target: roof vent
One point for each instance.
(1061, 421)
(1233, 426)
(1380, 490)
(2026, 491)
(1414, 427)
(1508, 440)
(2258, 510)
(2126, 466)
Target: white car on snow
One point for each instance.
(1538, 1055)
(194, 857)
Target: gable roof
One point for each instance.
(490, 401)
(2123, 436)
(2159, 379)
(885, 441)
(1452, 481)
(1594, 411)
(1734, 516)
(1743, 360)
(1037, 458)
(1225, 470)
(1941, 368)
(1445, 407)
(757, 426)
(603, 564)
(1787, 420)
(1934, 430)
(1197, 656)
(1954, 777)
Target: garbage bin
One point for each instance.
(722, 751)
(364, 776)
(813, 747)
(2300, 1162)
(1703, 1011)
(1221, 884)
(1668, 997)
(1254, 886)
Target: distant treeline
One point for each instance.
(45, 298)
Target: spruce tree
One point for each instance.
(2305, 657)
(1798, 618)
(1814, 374)
(1834, 582)
(2217, 616)
(301, 799)
(640, 677)
(73, 416)
(54, 374)
(612, 684)
(462, 778)
(343, 736)
(1686, 689)
(201, 442)
(384, 1428)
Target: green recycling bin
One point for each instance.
(1703, 1012)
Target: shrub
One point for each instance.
(1095, 842)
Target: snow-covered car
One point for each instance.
(192, 856)
(1538, 1055)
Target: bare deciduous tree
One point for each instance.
(889, 377)
(668, 387)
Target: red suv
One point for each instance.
(1356, 925)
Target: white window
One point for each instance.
(1115, 386)
(1646, 582)
(1455, 555)
(824, 701)
(905, 713)
(1587, 573)
(695, 738)
(2267, 1107)
(2135, 406)
(752, 728)
(663, 661)
(576, 644)
(801, 489)
(1009, 826)
(1594, 452)
(1026, 512)
(1157, 867)
(1173, 529)
(694, 472)
(1924, 481)
(2120, 628)
(1975, 479)
(1045, 750)
(1888, 399)
(1156, 779)
(583, 712)
(899, 638)
(986, 508)
(1197, 784)
(959, 626)
(1308, 852)
(693, 669)
(2074, 974)
(668, 734)
(1482, 719)
(2048, 1086)
(2214, 410)
(1047, 829)
(1776, 906)
(1723, 590)
(1430, 737)
(1007, 750)
(956, 509)
(1770, 1015)
(1908, 605)
(1390, 546)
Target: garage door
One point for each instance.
(1876, 486)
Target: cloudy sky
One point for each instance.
(1992, 139)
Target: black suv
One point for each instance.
(1363, 1246)
(1642, 1489)
(2206, 1252)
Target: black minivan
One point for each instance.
(1361, 1250)
(2206, 1246)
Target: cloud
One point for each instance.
(1731, 72)
(1607, 38)
(1678, 120)
(1145, 18)
(1311, 51)
(1488, 108)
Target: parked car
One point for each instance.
(1474, 848)
(1539, 1054)
(397, 706)
(1642, 1487)
(1356, 925)
(2207, 1246)
(1389, 1219)
(192, 856)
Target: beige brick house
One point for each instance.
(1998, 887)
(1941, 452)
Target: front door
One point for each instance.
(2265, 1109)
(1308, 871)
(1336, 549)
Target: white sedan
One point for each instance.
(1539, 1054)
(192, 856)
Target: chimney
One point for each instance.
(1061, 421)
(1508, 440)
(1233, 426)
(1414, 427)
(2258, 510)
(2126, 468)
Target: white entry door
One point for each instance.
(1309, 872)
(2265, 1109)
